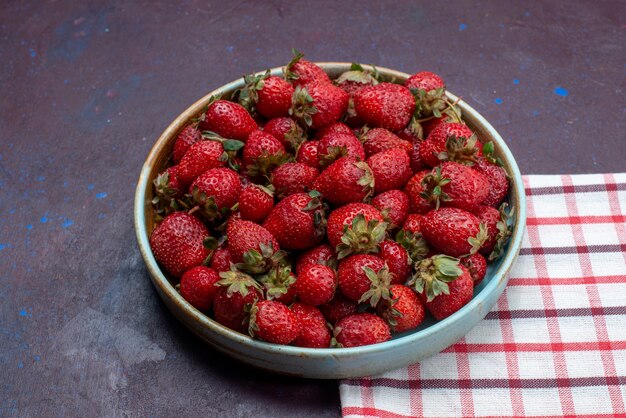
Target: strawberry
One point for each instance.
(410, 134)
(361, 329)
(429, 90)
(364, 278)
(337, 128)
(385, 105)
(339, 307)
(356, 78)
(200, 157)
(178, 243)
(394, 206)
(411, 239)
(391, 169)
(300, 72)
(355, 228)
(236, 291)
(297, 222)
(498, 181)
(450, 142)
(414, 190)
(397, 259)
(476, 264)
(278, 284)
(336, 145)
(379, 139)
(499, 229)
(319, 104)
(313, 331)
(221, 259)
(308, 154)
(425, 80)
(216, 191)
(267, 94)
(456, 185)
(197, 286)
(412, 223)
(167, 189)
(262, 153)
(316, 284)
(322, 254)
(252, 246)
(185, 139)
(273, 322)
(228, 119)
(416, 162)
(453, 231)
(255, 202)
(346, 180)
(293, 178)
(287, 131)
(403, 311)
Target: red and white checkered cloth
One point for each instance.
(554, 343)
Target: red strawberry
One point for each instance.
(355, 228)
(308, 154)
(319, 104)
(167, 188)
(316, 284)
(379, 139)
(268, 94)
(337, 128)
(313, 331)
(237, 290)
(456, 185)
(200, 157)
(391, 169)
(229, 120)
(262, 153)
(361, 329)
(273, 322)
(322, 254)
(279, 284)
(393, 205)
(476, 264)
(410, 238)
(339, 307)
(498, 182)
(403, 311)
(346, 180)
(300, 72)
(287, 131)
(364, 278)
(178, 243)
(221, 259)
(453, 231)
(297, 222)
(414, 189)
(416, 161)
(336, 145)
(255, 202)
(357, 78)
(429, 90)
(197, 286)
(385, 105)
(252, 245)
(185, 139)
(397, 260)
(450, 142)
(293, 178)
(412, 223)
(498, 229)
(410, 134)
(425, 80)
(216, 191)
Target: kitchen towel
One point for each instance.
(555, 342)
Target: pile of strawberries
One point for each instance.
(330, 213)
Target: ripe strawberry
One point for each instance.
(414, 190)
(216, 191)
(355, 228)
(228, 119)
(322, 254)
(357, 78)
(319, 104)
(297, 222)
(252, 245)
(364, 278)
(346, 180)
(450, 142)
(313, 331)
(453, 231)
(411, 239)
(385, 105)
(255, 202)
(273, 322)
(397, 259)
(262, 154)
(200, 157)
(300, 72)
(425, 80)
(455, 185)
(338, 308)
(403, 311)
(337, 128)
(268, 94)
(221, 259)
(293, 178)
(167, 189)
(308, 154)
(416, 162)
(391, 169)
(497, 224)
(378, 139)
(185, 139)
(237, 290)
(287, 131)
(476, 264)
(361, 329)
(197, 286)
(316, 284)
(178, 243)
(498, 182)
(279, 284)
(412, 223)
(411, 134)
(394, 206)
(336, 145)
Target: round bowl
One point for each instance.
(330, 363)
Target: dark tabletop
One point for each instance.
(86, 89)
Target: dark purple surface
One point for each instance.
(88, 88)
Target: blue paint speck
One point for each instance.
(43, 219)
(29, 226)
(3, 246)
(41, 178)
(20, 365)
(230, 48)
(535, 113)
(65, 183)
(102, 215)
(561, 91)
(515, 81)
(90, 186)
(67, 223)
(66, 81)
(32, 52)
(498, 100)
(12, 211)
(526, 14)
(37, 358)
(106, 30)
(462, 27)
(101, 195)
(23, 312)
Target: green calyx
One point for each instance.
(505, 229)
(252, 311)
(231, 146)
(414, 244)
(334, 153)
(318, 208)
(489, 154)
(460, 149)
(367, 179)
(237, 282)
(265, 163)
(204, 205)
(388, 311)
(295, 136)
(358, 74)
(433, 274)
(258, 262)
(379, 286)
(430, 102)
(302, 107)
(164, 200)
(277, 281)
(289, 74)
(248, 95)
(433, 184)
(481, 237)
(361, 237)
